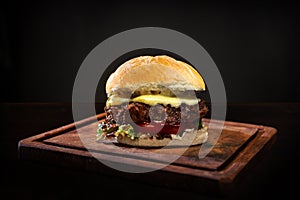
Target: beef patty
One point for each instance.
(143, 113)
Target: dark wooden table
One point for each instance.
(273, 176)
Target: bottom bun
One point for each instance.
(189, 138)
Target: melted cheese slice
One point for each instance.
(152, 100)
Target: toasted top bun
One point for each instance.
(151, 71)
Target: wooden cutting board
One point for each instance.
(237, 148)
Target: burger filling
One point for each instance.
(143, 116)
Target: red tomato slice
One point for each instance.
(164, 129)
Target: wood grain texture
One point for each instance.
(236, 150)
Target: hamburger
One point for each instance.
(152, 101)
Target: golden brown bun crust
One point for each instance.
(155, 70)
(189, 139)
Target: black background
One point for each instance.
(254, 44)
(43, 43)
